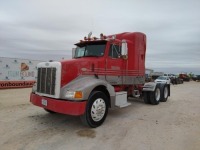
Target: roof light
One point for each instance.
(95, 38)
(102, 37)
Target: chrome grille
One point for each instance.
(46, 80)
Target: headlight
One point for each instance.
(74, 94)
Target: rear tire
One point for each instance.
(147, 98)
(155, 95)
(164, 93)
(96, 109)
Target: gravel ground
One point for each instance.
(174, 125)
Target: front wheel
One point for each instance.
(96, 109)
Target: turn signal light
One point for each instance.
(78, 94)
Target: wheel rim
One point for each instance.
(157, 94)
(165, 92)
(98, 109)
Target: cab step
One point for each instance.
(121, 99)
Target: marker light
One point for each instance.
(102, 36)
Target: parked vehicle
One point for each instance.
(102, 74)
(155, 75)
(172, 76)
(196, 78)
(184, 76)
(176, 80)
(163, 79)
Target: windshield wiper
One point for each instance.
(78, 57)
(91, 56)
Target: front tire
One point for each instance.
(96, 109)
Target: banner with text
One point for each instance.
(17, 72)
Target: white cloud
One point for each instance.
(172, 27)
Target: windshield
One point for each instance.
(90, 50)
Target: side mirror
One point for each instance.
(124, 49)
(73, 52)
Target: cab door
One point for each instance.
(114, 65)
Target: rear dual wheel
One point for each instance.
(160, 94)
(147, 97)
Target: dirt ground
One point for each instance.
(173, 125)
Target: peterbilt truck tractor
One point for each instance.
(103, 73)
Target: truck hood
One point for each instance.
(73, 68)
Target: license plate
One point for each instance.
(44, 102)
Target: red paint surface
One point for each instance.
(60, 106)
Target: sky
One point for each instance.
(48, 29)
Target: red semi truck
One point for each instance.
(103, 73)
